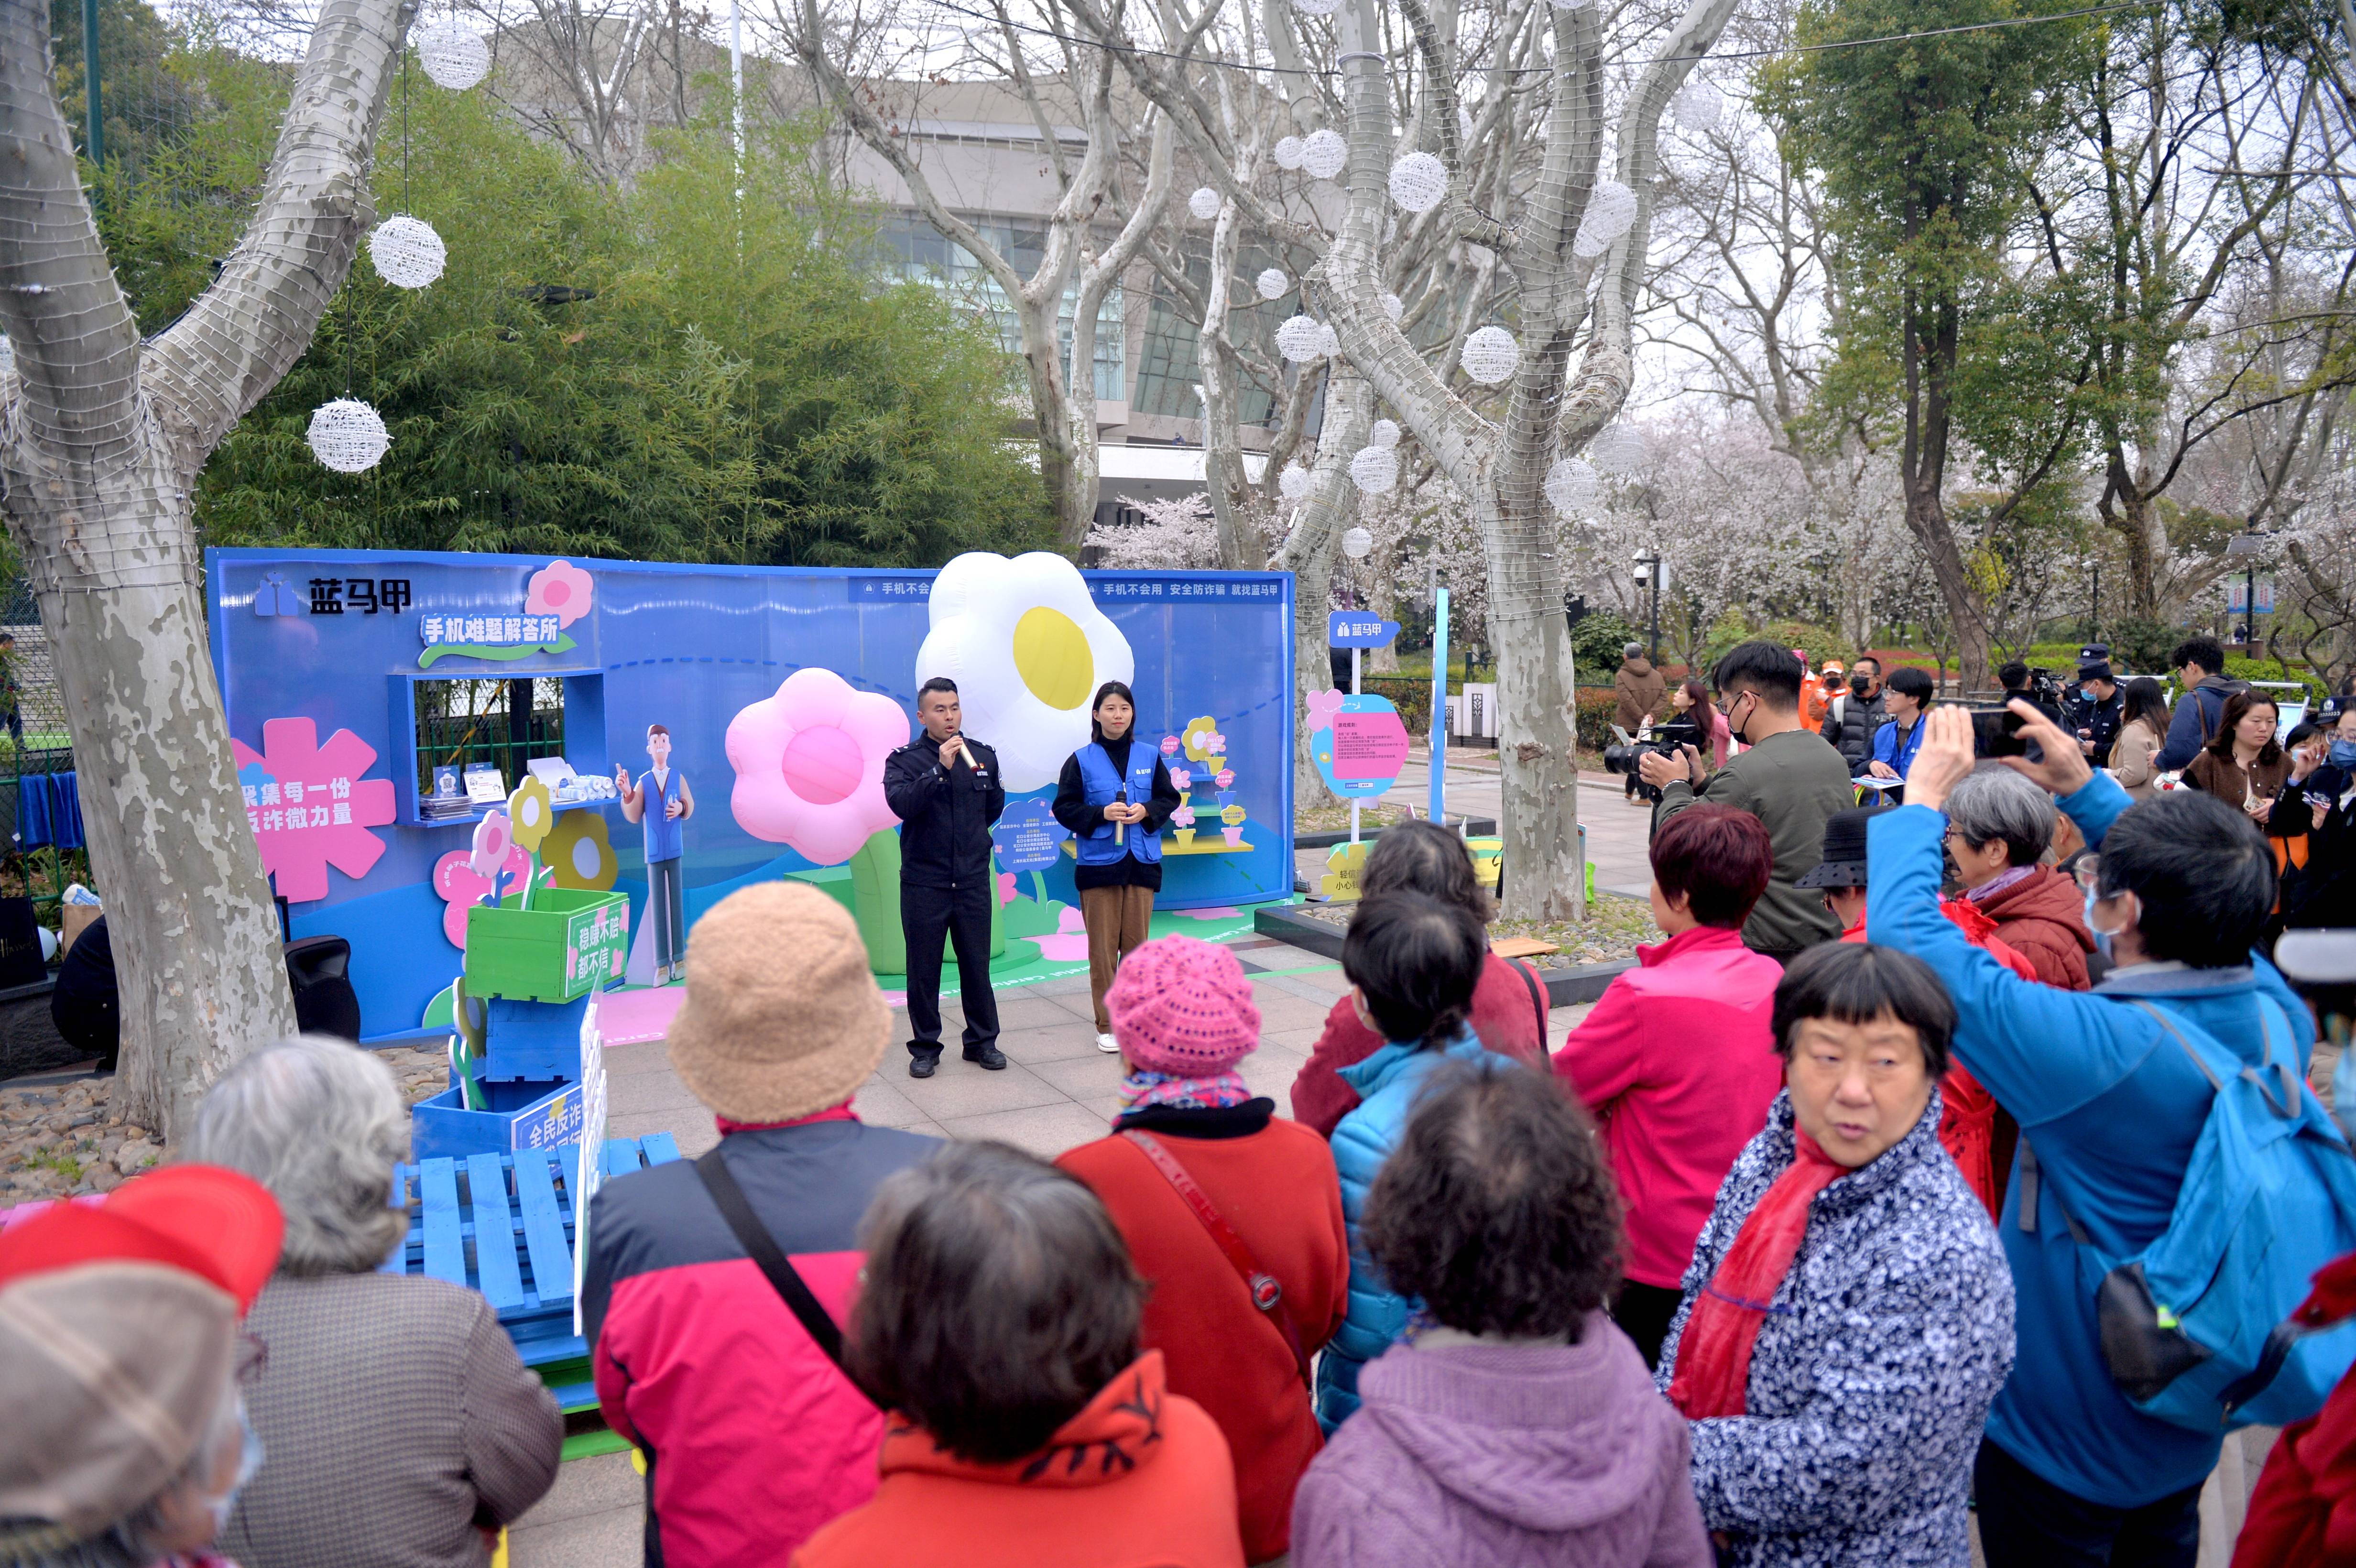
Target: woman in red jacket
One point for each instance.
(1999, 827)
(1509, 1008)
(1213, 1193)
(997, 1328)
(1677, 1063)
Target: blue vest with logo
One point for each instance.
(1100, 784)
(663, 835)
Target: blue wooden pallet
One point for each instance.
(503, 1225)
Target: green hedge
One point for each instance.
(1410, 695)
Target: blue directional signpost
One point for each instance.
(1358, 630)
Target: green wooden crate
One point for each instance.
(569, 943)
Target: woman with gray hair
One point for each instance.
(1999, 826)
(400, 1427)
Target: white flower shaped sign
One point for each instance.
(1027, 648)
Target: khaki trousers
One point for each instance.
(1117, 920)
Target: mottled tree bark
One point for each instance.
(101, 440)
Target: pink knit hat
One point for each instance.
(1183, 1007)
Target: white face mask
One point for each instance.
(249, 1456)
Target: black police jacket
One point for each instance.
(945, 816)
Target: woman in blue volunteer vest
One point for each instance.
(1115, 795)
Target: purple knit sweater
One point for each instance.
(1561, 1455)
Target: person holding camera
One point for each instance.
(1900, 735)
(1792, 780)
(1851, 718)
(1690, 703)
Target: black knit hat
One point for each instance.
(1844, 862)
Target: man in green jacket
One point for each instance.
(1789, 778)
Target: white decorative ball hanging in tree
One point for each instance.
(1419, 182)
(1611, 210)
(1358, 543)
(1395, 307)
(406, 251)
(1570, 484)
(1299, 337)
(1617, 449)
(1272, 284)
(1325, 154)
(1374, 470)
(454, 56)
(1290, 151)
(1293, 483)
(1490, 354)
(347, 436)
(1386, 433)
(1205, 203)
(1697, 105)
(1329, 342)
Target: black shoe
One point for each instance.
(922, 1066)
(990, 1059)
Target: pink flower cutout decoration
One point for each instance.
(809, 765)
(1068, 943)
(308, 805)
(1005, 888)
(461, 887)
(560, 589)
(1322, 706)
(1179, 778)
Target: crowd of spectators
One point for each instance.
(1783, 1255)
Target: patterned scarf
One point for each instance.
(1714, 1356)
(1144, 1088)
(1996, 884)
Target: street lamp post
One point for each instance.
(1648, 575)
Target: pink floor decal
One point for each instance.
(637, 1016)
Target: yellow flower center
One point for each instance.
(1051, 654)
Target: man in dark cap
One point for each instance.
(2094, 715)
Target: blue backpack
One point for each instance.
(2196, 1328)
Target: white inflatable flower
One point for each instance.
(1027, 648)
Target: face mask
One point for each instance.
(2101, 937)
(249, 1462)
(2343, 753)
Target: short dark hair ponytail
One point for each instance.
(1417, 961)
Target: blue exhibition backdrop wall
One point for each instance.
(344, 640)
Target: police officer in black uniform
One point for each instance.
(945, 789)
(2095, 716)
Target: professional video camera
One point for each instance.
(1664, 740)
(2045, 688)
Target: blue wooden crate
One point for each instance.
(503, 1225)
(532, 1041)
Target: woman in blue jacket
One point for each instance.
(1412, 963)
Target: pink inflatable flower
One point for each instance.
(560, 589)
(461, 887)
(809, 765)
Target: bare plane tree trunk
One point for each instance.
(101, 440)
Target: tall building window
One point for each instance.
(921, 253)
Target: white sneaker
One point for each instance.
(1109, 1045)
